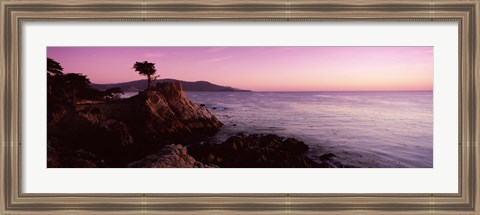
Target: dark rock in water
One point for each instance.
(219, 108)
(202, 105)
(254, 151)
(327, 156)
(330, 160)
(234, 125)
(171, 156)
(131, 128)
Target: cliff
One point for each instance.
(125, 130)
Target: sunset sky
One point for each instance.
(261, 68)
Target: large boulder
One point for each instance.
(170, 156)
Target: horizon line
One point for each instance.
(306, 91)
(303, 91)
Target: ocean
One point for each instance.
(363, 129)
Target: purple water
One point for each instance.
(363, 129)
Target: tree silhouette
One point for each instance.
(54, 70)
(114, 93)
(53, 67)
(148, 69)
(76, 83)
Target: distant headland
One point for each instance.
(197, 86)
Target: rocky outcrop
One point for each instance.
(170, 111)
(164, 111)
(129, 129)
(254, 151)
(171, 156)
(71, 159)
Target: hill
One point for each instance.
(139, 85)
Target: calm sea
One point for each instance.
(363, 129)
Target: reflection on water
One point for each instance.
(128, 94)
(364, 129)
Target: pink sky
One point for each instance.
(261, 68)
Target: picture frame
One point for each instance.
(14, 13)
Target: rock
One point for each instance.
(115, 132)
(171, 156)
(199, 165)
(167, 111)
(53, 157)
(294, 145)
(327, 156)
(82, 158)
(183, 151)
(132, 128)
(71, 159)
(211, 158)
(202, 105)
(254, 151)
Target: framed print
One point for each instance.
(233, 107)
(216, 114)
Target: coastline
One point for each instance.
(161, 128)
(254, 119)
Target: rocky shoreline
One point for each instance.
(239, 151)
(124, 133)
(254, 151)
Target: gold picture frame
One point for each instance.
(15, 12)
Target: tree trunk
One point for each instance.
(74, 97)
(149, 82)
